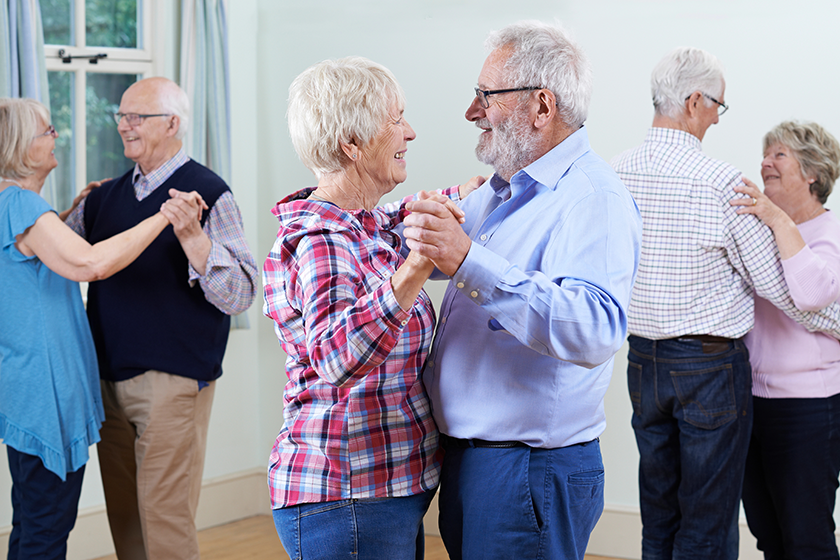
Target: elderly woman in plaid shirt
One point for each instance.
(356, 465)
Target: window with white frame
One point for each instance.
(84, 94)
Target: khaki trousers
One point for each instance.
(152, 457)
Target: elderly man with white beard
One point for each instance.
(541, 275)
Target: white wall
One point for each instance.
(781, 59)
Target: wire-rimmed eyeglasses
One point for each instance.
(722, 107)
(134, 119)
(483, 94)
(50, 132)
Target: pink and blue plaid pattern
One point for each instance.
(358, 422)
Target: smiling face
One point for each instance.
(781, 172)
(152, 142)
(42, 151)
(382, 160)
(508, 140)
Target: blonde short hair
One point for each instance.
(816, 150)
(337, 101)
(21, 120)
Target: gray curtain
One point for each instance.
(205, 76)
(24, 72)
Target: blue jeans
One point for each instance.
(371, 529)
(692, 416)
(520, 502)
(791, 477)
(44, 508)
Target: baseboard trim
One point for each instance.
(223, 500)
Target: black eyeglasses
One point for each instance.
(51, 132)
(483, 94)
(722, 107)
(135, 119)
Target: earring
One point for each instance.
(354, 156)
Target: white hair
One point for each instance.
(337, 101)
(173, 99)
(545, 56)
(682, 72)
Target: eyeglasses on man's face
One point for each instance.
(722, 107)
(50, 132)
(136, 119)
(483, 94)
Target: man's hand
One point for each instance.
(184, 212)
(433, 231)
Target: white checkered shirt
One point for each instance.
(701, 262)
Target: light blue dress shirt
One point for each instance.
(531, 321)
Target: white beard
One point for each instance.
(511, 146)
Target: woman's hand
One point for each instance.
(788, 238)
(468, 187)
(446, 201)
(759, 205)
(184, 208)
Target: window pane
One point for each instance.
(61, 108)
(111, 23)
(104, 146)
(57, 16)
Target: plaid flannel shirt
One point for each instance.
(701, 261)
(358, 422)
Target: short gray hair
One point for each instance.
(337, 101)
(545, 56)
(682, 72)
(816, 150)
(21, 120)
(173, 99)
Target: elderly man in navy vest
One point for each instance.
(161, 325)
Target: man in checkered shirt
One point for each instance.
(689, 375)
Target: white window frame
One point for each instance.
(138, 61)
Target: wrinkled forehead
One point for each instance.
(494, 73)
(140, 98)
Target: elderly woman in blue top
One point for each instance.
(50, 405)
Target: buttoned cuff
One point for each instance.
(480, 273)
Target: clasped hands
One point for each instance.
(184, 212)
(433, 230)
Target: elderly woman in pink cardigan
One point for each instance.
(794, 456)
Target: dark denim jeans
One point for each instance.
(791, 477)
(520, 502)
(44, 508)
(371, 529)
(692, 415)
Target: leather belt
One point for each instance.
(705, 338)
(466, 443)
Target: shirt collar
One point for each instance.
(673, 136)
(548, 169)
(157, 177)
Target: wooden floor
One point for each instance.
(254, 538)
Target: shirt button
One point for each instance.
(443, 320)
(459, 285)
(430, 363)
(404, 322)
(474, 293)
(484, 237)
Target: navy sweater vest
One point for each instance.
(147, 316)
